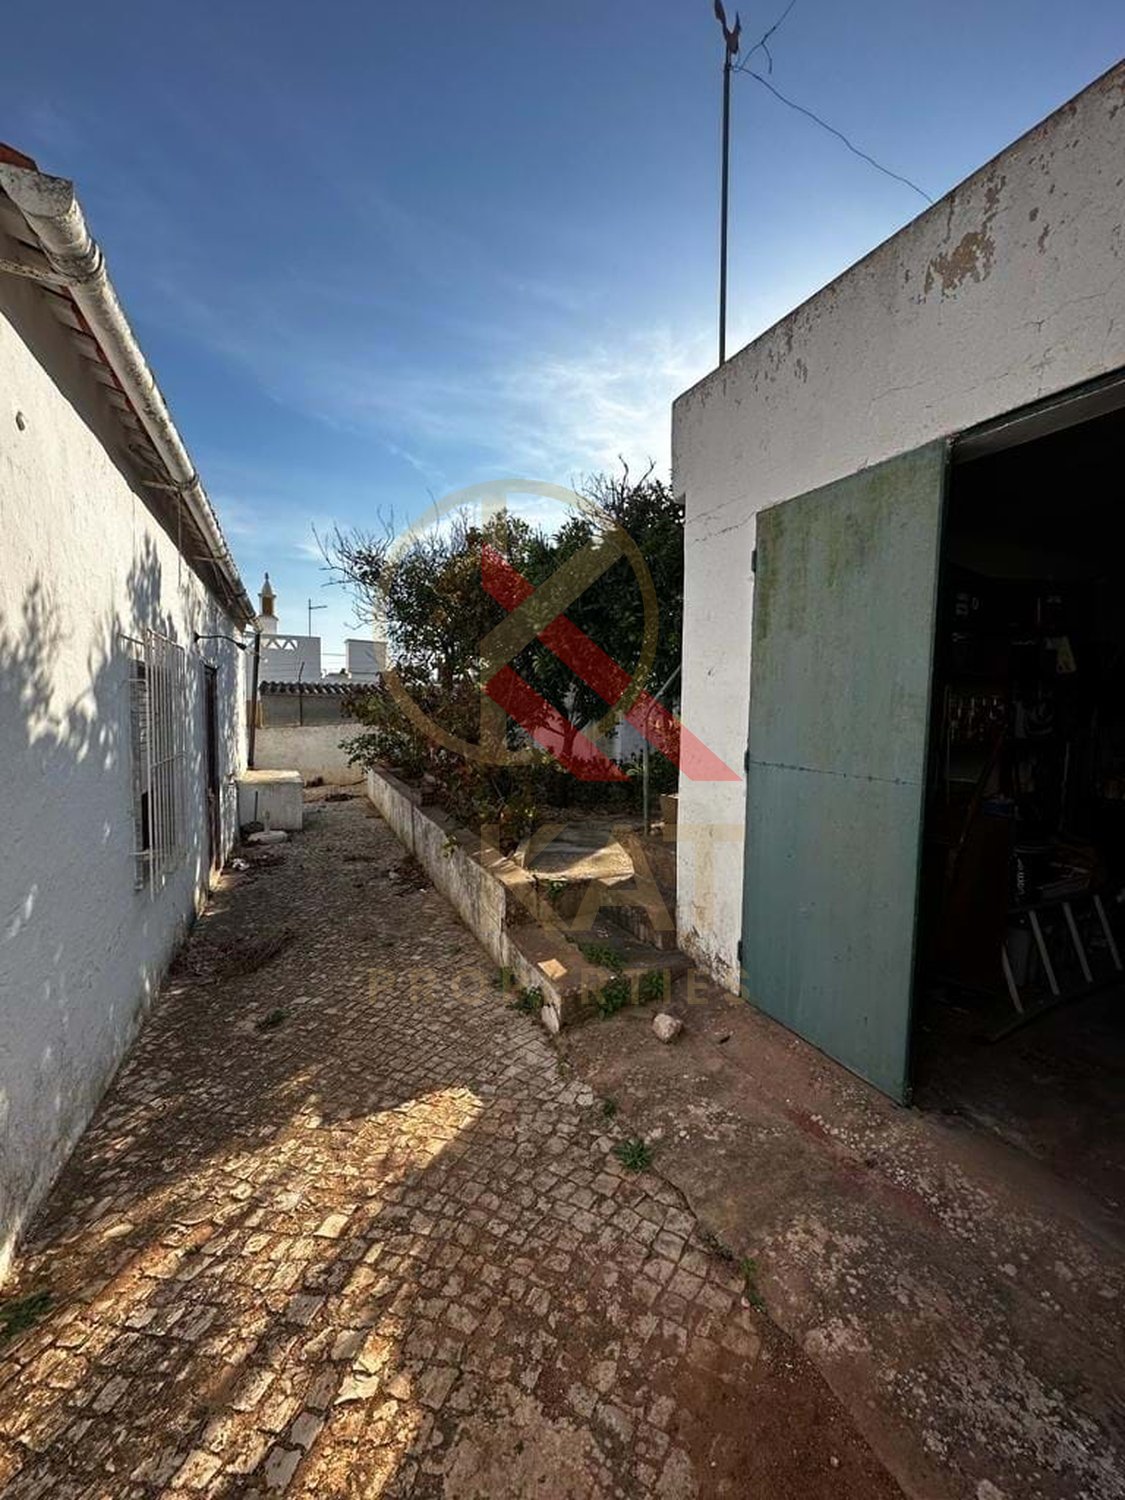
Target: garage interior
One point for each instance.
(1019, 1018)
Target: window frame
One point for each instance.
(158, 718)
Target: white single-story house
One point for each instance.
(122, 699)
(936, 431)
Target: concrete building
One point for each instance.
(364, 660)
(302, 718)
(290, 658)
(845, 454)
(284, 658)
(297, 658)
(122, 698)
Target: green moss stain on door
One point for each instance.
(844, 605)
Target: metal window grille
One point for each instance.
(157, 710)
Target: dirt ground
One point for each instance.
(346, 1225)
(960, 1295)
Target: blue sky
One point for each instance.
(378, 252)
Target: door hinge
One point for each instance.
(754, 560)
(746, 759)
(740, 953)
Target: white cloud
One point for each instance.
(555, 416)
(552, 413)
(592, 407)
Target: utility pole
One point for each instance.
(313, 606)
(731, 36)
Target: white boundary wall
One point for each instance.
(83, 564)
(312, 749)
(1008, 290)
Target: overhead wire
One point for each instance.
(839, 134)
(762, 45)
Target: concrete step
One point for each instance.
(639, 923)
(574, 968)
(583, 850)
(637, 955)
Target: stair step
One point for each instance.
(638, 922)
(636, 955)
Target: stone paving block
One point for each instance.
(383, 1247)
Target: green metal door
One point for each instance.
(844, 607)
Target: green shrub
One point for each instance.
(614, 994)
(428, 590)
(529, 1001)
(653, 985)
(602, 955)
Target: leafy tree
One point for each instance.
(429, 592)
(611, 611)
(437, 612)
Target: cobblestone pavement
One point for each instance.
(344, 1227)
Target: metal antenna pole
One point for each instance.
(723, 215)
(731, 35)
(313, 606)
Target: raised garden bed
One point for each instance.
(512, 915)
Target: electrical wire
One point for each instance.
(762, 44)
(831, 129)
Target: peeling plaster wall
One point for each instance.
(1010, 289)
(83, 563)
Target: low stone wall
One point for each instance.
(312, 749)
(496, 899)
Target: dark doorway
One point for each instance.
(214, 780)
(1020, 1015)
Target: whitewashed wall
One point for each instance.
(1008, 290)
(83, 563)
(312, 749)
(290, 658)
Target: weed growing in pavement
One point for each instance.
(633, 1154)
(273, 1020)
(748, 1267)
(504, 980)
(17, 1317)
(529, 1001)
(609, 1108)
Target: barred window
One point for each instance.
(157, 715)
